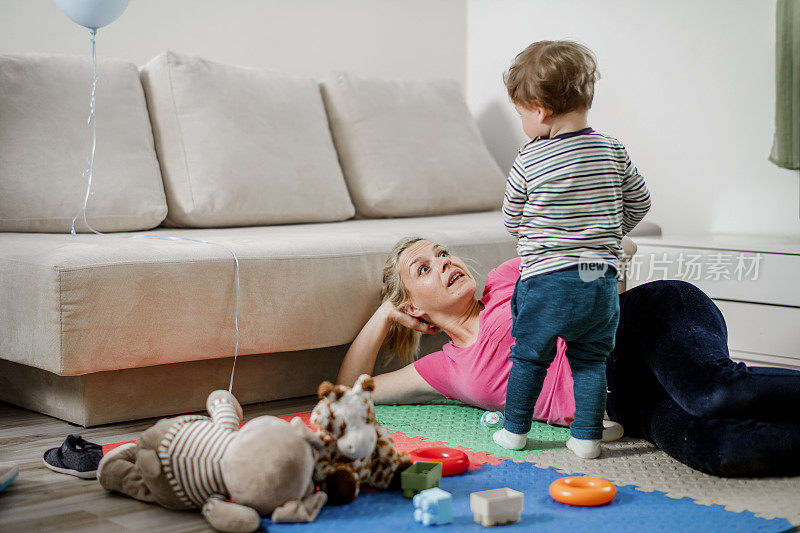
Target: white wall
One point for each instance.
(412, 39)
(687, 86)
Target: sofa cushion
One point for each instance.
(44, 103)
(242, 146)
(410, 148)
(76, 305)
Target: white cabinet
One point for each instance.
(755, 281)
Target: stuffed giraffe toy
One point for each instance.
(356, 450)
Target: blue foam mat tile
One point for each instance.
(631, 510)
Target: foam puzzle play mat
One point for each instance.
(485, 485)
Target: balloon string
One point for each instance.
(236, 308)
(88, 175)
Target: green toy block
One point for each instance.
(420, 476)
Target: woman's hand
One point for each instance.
(392, 314)
(401, 386)
(360, 358)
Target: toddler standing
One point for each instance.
(571, 196)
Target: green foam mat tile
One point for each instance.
(460, 425)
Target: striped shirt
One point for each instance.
(191, 453)
(572, 197)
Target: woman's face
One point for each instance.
(435, 280)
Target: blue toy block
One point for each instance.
(433, 507)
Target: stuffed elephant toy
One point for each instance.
(233, 475)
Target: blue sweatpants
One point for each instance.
(672, 382)
(585, 315)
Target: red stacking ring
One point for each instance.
(453, 461)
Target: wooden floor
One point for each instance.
(42, 500)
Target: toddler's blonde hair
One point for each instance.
(557, 75)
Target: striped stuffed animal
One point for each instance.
(356, 450)
(192, 461)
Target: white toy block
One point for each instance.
(496, 506)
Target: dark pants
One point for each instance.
(583, 313)
(672, 382)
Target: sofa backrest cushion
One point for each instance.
(44, 105)
(410, 148)
(242, 146)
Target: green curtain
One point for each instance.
(786, 146)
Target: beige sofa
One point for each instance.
(310, 185)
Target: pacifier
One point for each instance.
(492, 419)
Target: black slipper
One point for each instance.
(75, 457)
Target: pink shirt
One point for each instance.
(478, 374)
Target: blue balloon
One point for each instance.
(93, 14)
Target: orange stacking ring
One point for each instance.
(583, 491)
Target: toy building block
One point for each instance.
(496, 506)
(420, 476)
(433, 507)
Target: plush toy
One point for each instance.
(193, 461)
(357, 451)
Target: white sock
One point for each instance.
(510, 441)
(584, 448)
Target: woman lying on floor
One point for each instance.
(670, 378)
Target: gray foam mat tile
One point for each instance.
(637, 462)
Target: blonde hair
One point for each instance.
(401, 341)
(557, 75)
